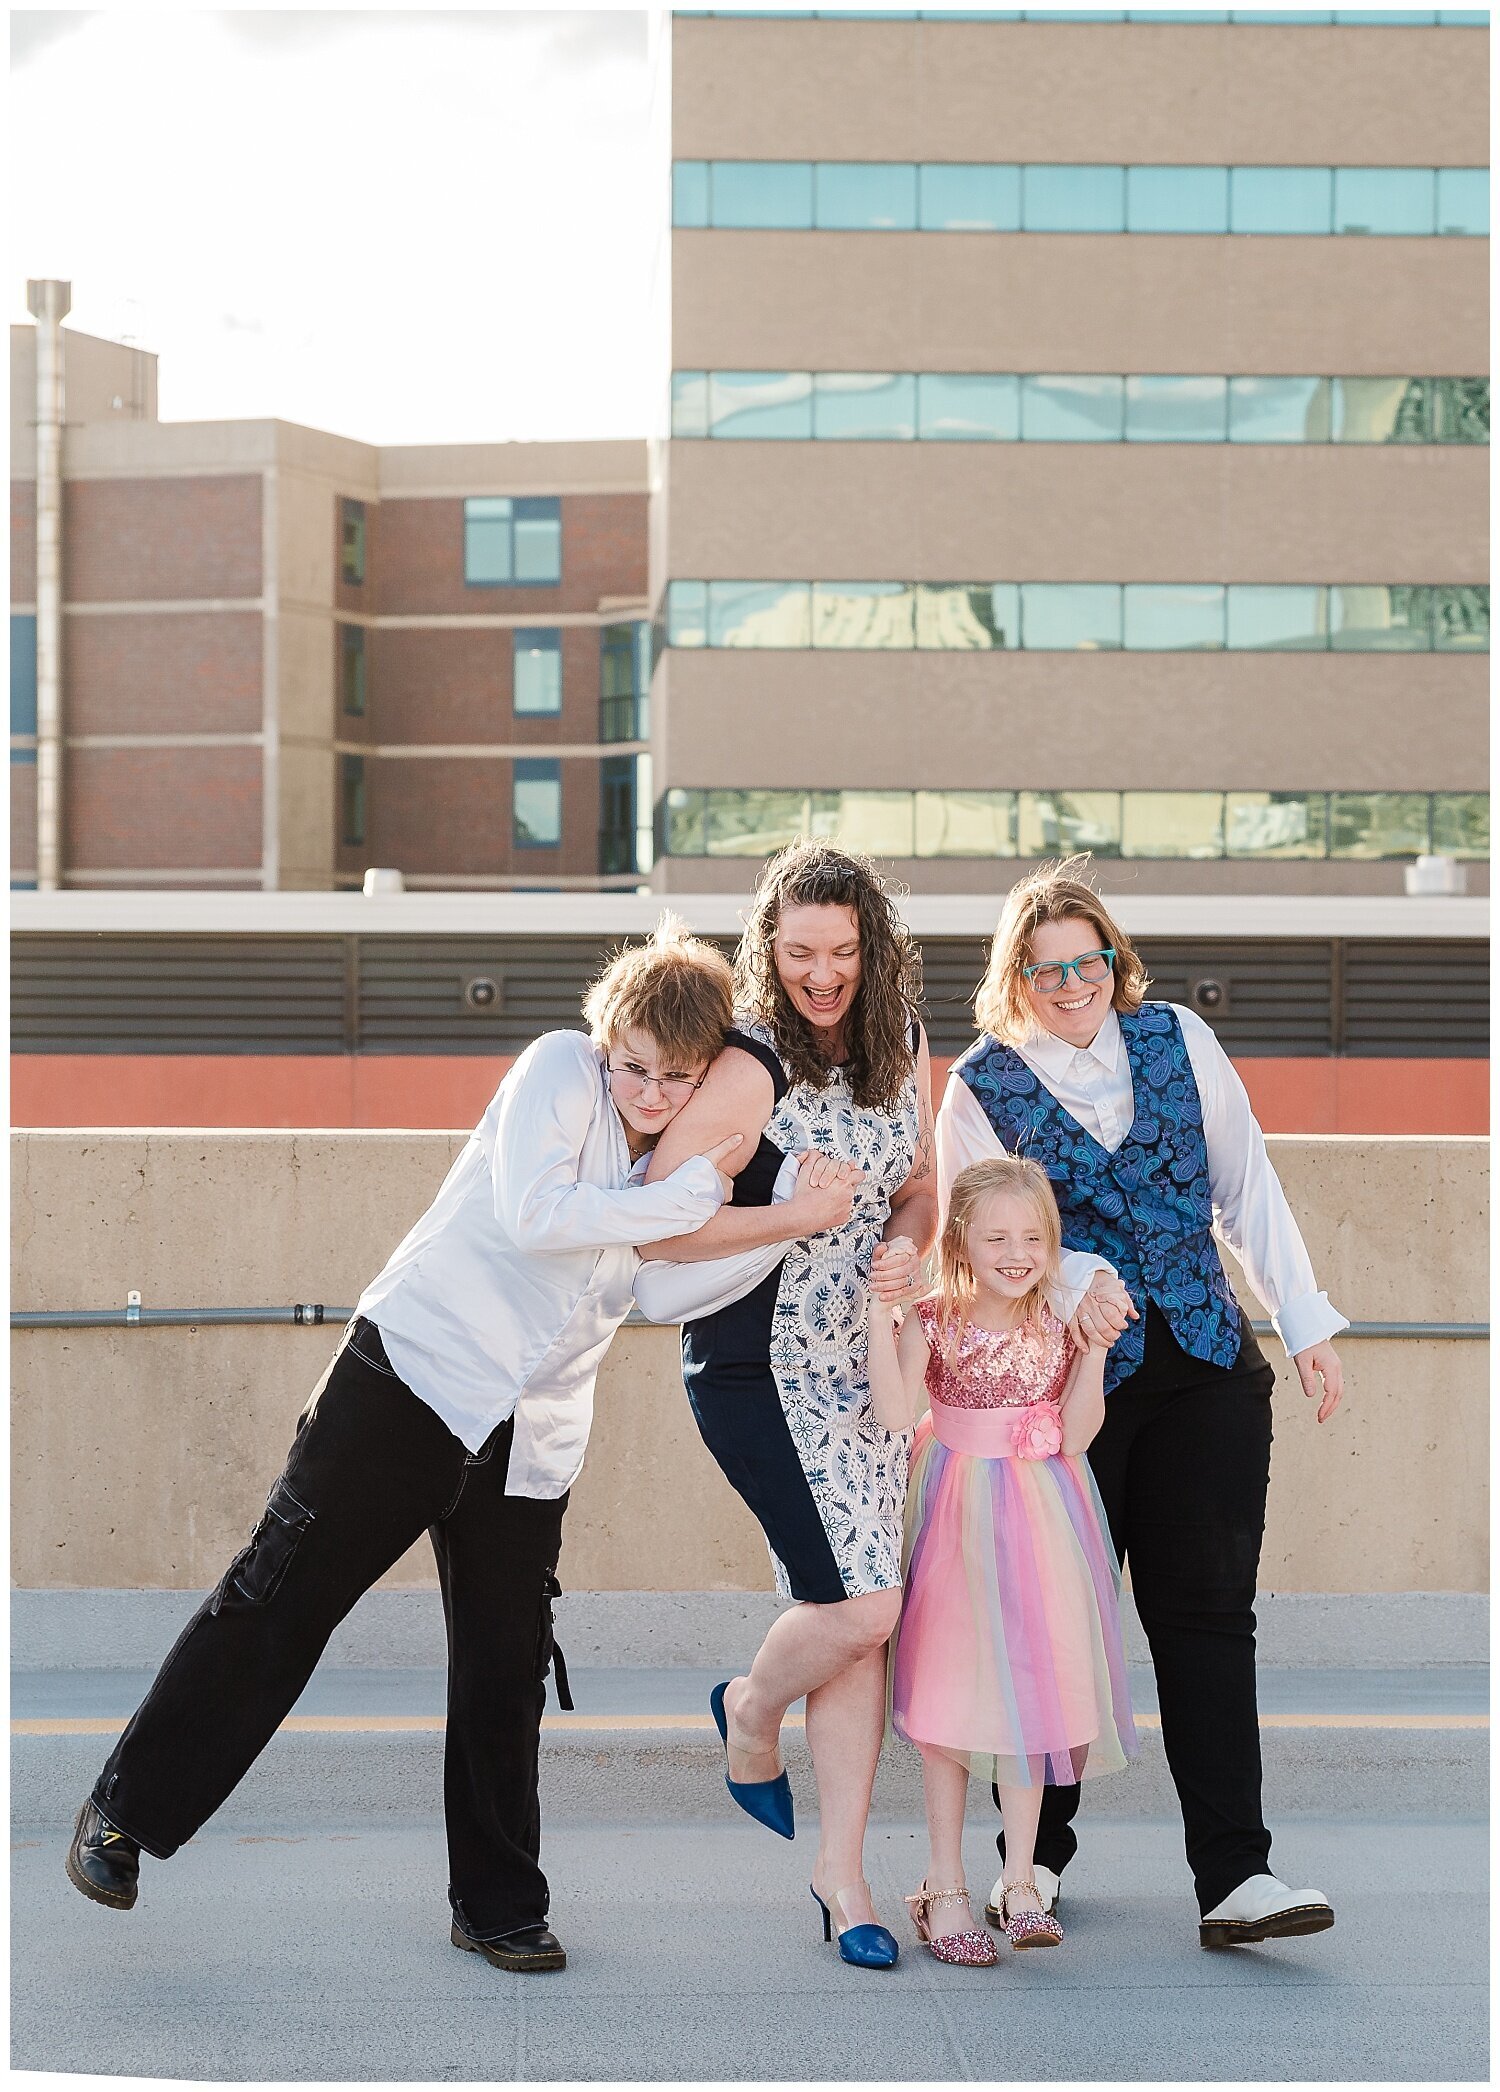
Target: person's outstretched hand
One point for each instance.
(1321, 1372)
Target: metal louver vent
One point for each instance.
(390, 995)
(1405, 999)
(121, 994)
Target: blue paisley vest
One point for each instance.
(1146, 1207)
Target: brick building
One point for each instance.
(288, 656)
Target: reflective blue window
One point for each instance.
(1277, 619)
(760, 404)
(23, 675)
(536, 685)
(690, 193)
(1463, 200)
(1461, 620)
(1380, 620)
(536, 802)
(1171, 619)
(1291, 18)
(687, 613)
(1055, 824)
(1177, 199)
(512, 542)
(1176, 410)
(1380, 410)
(1073, 199)
(1278, 410)
(871, 406)
(690, 403)
(760, 613)
(968, 199)
(880, 614)
(874, 196)
(1063, 615)
(1068, 409)
(1280, 199)
(772, 193)
(955, 407)
(964, 617)
(1383, 199)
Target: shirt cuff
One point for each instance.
(1308, 1320)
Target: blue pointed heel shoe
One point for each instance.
(768, 1801)
(862, 1946)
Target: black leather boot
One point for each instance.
(102, 1862)
(534, 1947)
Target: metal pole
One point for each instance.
(49, 302)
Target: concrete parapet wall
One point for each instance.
(142, 1457)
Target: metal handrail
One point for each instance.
(314, 1315)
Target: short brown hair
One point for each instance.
(674, 987)
(1052, 893)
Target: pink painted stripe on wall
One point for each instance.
(449, 1090)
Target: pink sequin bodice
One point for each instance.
(996, 1368)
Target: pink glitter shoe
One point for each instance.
(973, 1949)
(1028, 1928)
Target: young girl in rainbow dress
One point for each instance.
(1007, 1661)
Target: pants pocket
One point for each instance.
(255, 1574)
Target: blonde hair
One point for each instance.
(1011, 1176)
(1053, 893)
(674, 987)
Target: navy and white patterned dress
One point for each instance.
(779, 1381)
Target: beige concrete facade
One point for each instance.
(1150, 94)
(142, 1457)
(1111, 721)
(795, 301)
(1077, 512)
(1079, 302)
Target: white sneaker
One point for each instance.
(1048, 1887)
(1264, 1908)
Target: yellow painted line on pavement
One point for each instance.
(699, 1724)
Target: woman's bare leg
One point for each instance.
(835, 1656)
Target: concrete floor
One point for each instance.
(695, 1953)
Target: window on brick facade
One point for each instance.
(536, 803)
(352, 799)
(23, 676)
(625, 683)
(512, 542)
(352, 670)
(352, 541)
(536, 684)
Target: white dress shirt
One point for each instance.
(1093, 1085)
(503, 1298)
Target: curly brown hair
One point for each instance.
(818, 874)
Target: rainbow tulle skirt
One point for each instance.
(1008, 1654)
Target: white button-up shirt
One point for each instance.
(1093, 1085)
(503, 1298)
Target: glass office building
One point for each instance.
(1126, 492)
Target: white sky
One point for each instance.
(404, 227)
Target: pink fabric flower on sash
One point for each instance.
(1037, 1432)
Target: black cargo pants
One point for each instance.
(371, 1467)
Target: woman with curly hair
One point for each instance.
(826, 1054)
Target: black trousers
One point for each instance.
(1182, 1461)
(371, 1467)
